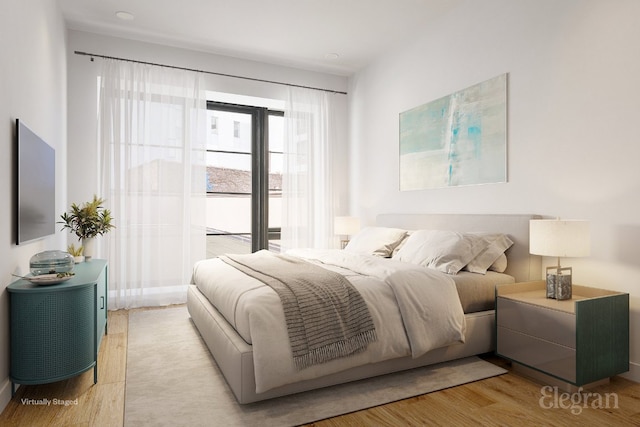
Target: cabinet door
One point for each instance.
(101, 305)
(51, 334)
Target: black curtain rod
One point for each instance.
(93, 55)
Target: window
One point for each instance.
(244, 178)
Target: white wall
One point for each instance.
(33, 88)
(573, 146)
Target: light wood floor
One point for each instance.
(506, 400)
(101, 404)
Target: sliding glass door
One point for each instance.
(244, 178)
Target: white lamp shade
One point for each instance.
(559, 238)
(346, 225)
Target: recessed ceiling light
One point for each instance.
(125, 16)
(331, 56)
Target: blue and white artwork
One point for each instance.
(460, 139)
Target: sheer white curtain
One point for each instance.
(307, 184)
(153, 140)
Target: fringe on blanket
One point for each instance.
(325, 353)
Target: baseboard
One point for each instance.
(5, 394)
(634, 372)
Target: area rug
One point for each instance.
(172, 380)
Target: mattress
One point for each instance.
(477, 292)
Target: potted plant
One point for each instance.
(87, 221)
(76, 253)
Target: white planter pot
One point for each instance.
(88, 245)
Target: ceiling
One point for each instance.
(305, 34)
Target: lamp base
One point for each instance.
(559, 283)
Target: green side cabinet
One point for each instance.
(56, 330)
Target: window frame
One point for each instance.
(260, 155)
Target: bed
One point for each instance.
(257, 365)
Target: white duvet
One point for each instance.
(414, 309)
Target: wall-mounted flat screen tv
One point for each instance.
(36, 190)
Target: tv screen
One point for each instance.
(36, 186)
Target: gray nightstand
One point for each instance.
(573, 343)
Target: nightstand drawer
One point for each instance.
(545, 356)
(550, 325)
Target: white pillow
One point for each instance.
(402, 242)
(380, 241)
(446, 251)
(498, 244)
(499, 265)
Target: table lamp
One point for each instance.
(559, 238)
(345, 226)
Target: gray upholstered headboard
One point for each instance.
(521, 264)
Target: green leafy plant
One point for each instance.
(88, 220)
(75, 251)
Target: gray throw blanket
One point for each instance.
(326, 316)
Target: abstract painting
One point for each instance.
(460, 139)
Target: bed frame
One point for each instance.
(235, 357)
